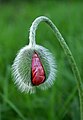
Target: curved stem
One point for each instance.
(66, 50)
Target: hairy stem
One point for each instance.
(66, 50)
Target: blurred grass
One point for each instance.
(60, 102)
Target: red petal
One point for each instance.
(37, 70)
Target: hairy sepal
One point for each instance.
(49, 64)
(21, 68)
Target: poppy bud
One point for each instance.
(34, 66)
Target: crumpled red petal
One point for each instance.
(37, 71)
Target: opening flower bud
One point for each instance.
(34, 66)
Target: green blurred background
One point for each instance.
(61, 101)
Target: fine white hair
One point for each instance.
(21, 68)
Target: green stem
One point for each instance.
(66, 50)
